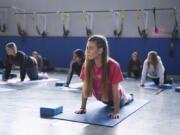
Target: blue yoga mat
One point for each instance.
(75, 87)
(16, 82)
(97, 113)
(150, 85)
(78, 85)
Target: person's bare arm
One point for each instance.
(83, 106)
(116, 101)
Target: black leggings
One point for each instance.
(156, 80)
(32, 73)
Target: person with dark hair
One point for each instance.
(39, 60)
(76, 65)
(134, 66)
(28, 65)
(154, 69)
(101, 76)
(43, 63)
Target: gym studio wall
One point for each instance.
(59, 49)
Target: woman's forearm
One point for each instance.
(116, 98)
(84, 101)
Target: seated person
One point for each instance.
(28, 65)
(43, 63)
(39, 60)
(76, 65)
(134, 66)
(46, 66)
(154, 69)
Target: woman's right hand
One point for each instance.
(81, 111)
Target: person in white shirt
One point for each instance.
(154, 69)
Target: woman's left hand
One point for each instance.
(114, 115)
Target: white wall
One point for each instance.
(103, 22)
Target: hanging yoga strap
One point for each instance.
(118, 32)
(19, 24)
(171, 53)
(144, 32)
(21, 31)
(65, 32)
(175, 32)
(43, 34)
(3, 26)
(36, 24)
(146, 23)
(88, 30)
(154, 13)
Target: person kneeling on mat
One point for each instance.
(101, 75)
(39, 60)
(76, 65)
(28, 65)
(154, 69)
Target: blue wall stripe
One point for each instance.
(59, 50)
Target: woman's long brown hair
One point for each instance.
(153, 55)
(101, 42)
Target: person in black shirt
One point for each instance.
(76, 65)
(28, 65)
(134, 66)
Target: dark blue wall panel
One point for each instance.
(59, 50)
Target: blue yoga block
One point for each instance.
(166, 86)
(60, 83)
(177, 89)
(3, 74)
(50, 111)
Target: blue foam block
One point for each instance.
(97, 113)
(60, 83)
(166, 86)
(177, 89)
(50, 111)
